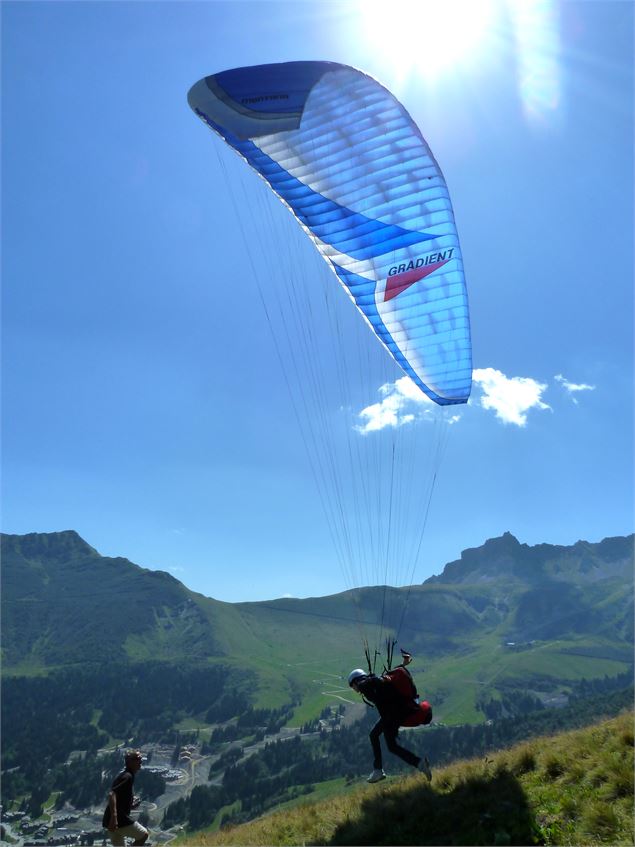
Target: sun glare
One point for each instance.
(536, 32)
(423, 36)
(434, 38)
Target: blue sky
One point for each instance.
(143, 401)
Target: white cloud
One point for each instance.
(511, 398)
(176, 569)
(403, 402)
(573, 387)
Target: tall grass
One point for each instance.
(571, 789)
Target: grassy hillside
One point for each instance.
(574, 789)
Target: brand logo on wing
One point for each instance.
(400, 277)
(264, 98)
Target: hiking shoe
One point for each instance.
(424, 767)
(376, 776)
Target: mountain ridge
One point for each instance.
(500, 553)
(505, 554)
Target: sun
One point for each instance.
(426, 37)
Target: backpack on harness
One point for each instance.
(420, 714)
(402, 681)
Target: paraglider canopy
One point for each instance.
(352, 166)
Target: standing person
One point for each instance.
(395, 710)
(120, 802)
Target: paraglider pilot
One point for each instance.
(395, 698)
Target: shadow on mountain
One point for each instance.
(478, 810)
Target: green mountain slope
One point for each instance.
(505, 616)
(65, 604)
(570, 789)
(558, 590)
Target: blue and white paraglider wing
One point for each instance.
(352, 166)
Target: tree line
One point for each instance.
(45, 718)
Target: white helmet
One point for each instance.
(358, 673)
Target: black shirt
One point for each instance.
(390, 704)
(122, 786)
